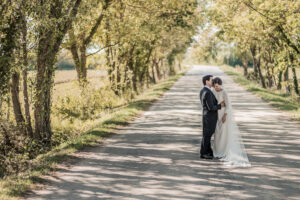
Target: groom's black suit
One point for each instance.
(209, 119)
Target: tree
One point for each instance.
(84, 28)
(266, 29)
(54, 19)
(9, 30)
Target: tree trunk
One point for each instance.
(79, 59)
(145, 71)
(15, 90)
(134, 79)
(112, 70)
(179, 64)
(141, 77)
(16, 102)
(252, 50)
(157, 69)
(269, 76)
(25, 88)
(162, 66)
(74, 52)
(110, 60)
(80, 44)
(286, 79)
(44, 82)
(126, 80)
(255, 70)
(7, 47)
(118, 80)
(133, 68)
(148, 77)
(262, 80)
(245, 66)
(83, 67)
(279, 85)
(26, 104)
(295, 79)
(256, 63)
(171, 70)
(8, 108)
(49, 41)
(153, 73)
(274, 75)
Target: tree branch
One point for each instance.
(256, 10)
(101, 49)
(97, 24)
(278, 27)
(67, 24)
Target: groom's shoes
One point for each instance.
(206, 156)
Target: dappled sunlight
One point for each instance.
(157, 155)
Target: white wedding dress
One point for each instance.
(228, 144)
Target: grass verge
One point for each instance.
(14, 186)
(276, 98)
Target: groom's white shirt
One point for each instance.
(207, 87)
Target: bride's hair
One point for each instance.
(217, 80)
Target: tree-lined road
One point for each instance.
(157, 155)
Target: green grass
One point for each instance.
(274, 97)
(14, 186)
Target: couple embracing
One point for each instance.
(217, 120)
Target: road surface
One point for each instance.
(157, 155)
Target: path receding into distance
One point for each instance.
(157, 155)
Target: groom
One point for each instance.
(210, 116)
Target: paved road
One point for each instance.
(157, 156)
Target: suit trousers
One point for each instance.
(209, 127)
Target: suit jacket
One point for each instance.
(210, 104)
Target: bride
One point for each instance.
(228, 144)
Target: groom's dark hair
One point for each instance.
(206, 78)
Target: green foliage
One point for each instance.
(92, 101)
(138, 43)
(18, 153)
(262, 34)
(68, 142)
(10, 22)
(161, 31)
(277, 99)
(65, 65)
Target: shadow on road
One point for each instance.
(157, 156)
